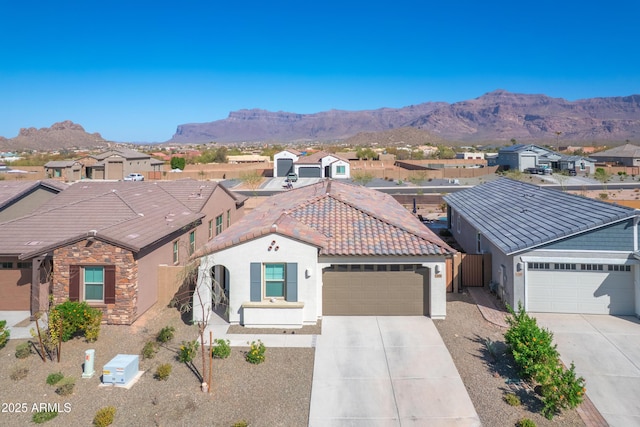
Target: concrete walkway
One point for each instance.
(21, 318)
(386, 371)
(606, 352)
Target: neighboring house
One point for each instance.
(19, 198)
(316, 165)
(247, 158)
(120, 246)
(118, 163)
(552, 251)
(69, 170)
(468, 155)
(523, 156)
(624, 155)
(329, 248)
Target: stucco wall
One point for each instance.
(237, 260)
(26, 204)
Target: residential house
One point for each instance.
(117, 163)
(120, 246)
(624, 155)
(19, 198)
(524, 156)
(68, 170)
(316, 165)
(330, 248)
(552, 251)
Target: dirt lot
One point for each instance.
(274, 393)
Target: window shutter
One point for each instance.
(110, 284)
(256, 281)
(74, 283)
(292, 282)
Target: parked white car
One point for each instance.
(134, 177)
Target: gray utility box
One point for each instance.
(121, 369)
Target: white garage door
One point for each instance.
(587, 292)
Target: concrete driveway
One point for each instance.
(386, 371)
(606, 352)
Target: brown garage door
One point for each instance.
(15, 289)
(375, 293)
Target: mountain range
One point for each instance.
(496, 116)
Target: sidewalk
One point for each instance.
(489, 306)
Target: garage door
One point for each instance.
(307, 172)
(15, 289)
(375, 293)
(587, 292)
(285, 166)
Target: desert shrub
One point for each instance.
(104, 417)
(149, 350)
(512, 399)
(525, 422)
(54, 378)
(162, 372)
(221, 349)
(78, 318)
(241, 423)
(65, 386)
(564, 390)
(19, 372)
(256, 352)
(4, 333)
(23, 350)
(43, 416)
(188, 351)
(166, 334)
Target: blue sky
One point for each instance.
(134, 70)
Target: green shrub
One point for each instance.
(104, 417)
(19, 372)
(256, 352)
(221, 349)
(512, 399)
(188, 351)
(4, 333)
(241, 423)
(525, 422)
(65, 386)
(54, 378)
(149, 350)
(78, 318)
(23, 350)
(43, 416)
(564, 390)
(166, 334)
(162, 372)
(532, 347)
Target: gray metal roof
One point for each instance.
(627, 151)
(515, 216)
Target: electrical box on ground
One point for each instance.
(121, 369)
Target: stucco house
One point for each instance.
(523, 156)
(117, 163)
(316, 165)
(68, 170)
(120, 246)
(624, 155)
(553, 251)
(330, 248)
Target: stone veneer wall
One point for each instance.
(123, 312)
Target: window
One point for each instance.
(592, 267)
(210, 229)
(94, 283)
(340, 170)
(274, 283)
(274, 280)
(218, 224)
(228, 217)
(176, 254)
(564, 266)
(539, 266)
(24, 265)
(479, 243)
(5, 265)
(192, 242)
(619, 268)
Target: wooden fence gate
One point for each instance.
(471, 270)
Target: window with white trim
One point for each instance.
(210, 229)
(218, 224)
(341, 170)
(274, 281)
(176, 252)
(619, 267)
(93, 280)
(192, 242)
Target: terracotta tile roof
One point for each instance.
(129, 214)
(339, 218)
(316, 157)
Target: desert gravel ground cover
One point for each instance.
(488, 378)
(274, 393)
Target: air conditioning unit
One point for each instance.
(121, 369)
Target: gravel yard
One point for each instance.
(274, 393)
(464, 332)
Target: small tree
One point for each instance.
(603, 176)
(252, 179)
(362, 177)
(178, 163)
